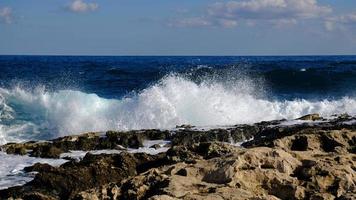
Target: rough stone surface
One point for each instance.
(303, 161)
(312, 117)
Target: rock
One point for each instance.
(342, 117)
(302, 161)
(110, 191)
(348, 196)
(213, 149)
(185, 126)
(190, 137)
(311, 117)
(71, 178)
(38, 167)
(219, 178)
(47, 151)
(297, 167)
(19, 148)
(155, 146)
(37, 196)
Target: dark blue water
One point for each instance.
(114, 77)
(44, 97)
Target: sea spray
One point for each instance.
(41, 114)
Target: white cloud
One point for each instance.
(269, 9)
(6, 15)
(82, 6)
(340, 22)
(276, 12)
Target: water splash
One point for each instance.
(174, 100)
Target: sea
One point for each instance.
(45, 97)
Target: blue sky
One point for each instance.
(178, 27)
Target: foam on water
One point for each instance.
(78, 155)
(11, 167)
(175, 100)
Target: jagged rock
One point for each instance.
(47, 151)
(213, 149)
(302, 161)
(110, 191)
(71, 178)
(16, 150)
(85, 142)
(308, 171)
(211, 178)
(38, 167)
(20, 148)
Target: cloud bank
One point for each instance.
(251, 12)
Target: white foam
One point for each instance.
(350, 122)
(173, 101)
(78, 155)
(11, 167)
(147, 147)
(297, 121)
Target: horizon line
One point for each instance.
(179, 55)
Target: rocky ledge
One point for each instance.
(306, 160)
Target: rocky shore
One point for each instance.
(312, 158)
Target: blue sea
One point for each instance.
(43, 97)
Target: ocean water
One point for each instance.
(43, 97)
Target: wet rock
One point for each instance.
(16, 150)
(190, 137)
(47, 151)
(242, 133)
(185, 126)
(66, 181)
(155, 146)
(342, 117)
(311, 117)
(20, 148)
(38, 167)
(180, 154)
(86, 142)
(302, 161)
(132, 141)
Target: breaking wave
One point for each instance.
(40, 114)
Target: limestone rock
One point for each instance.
(311, 117)
(302, 161)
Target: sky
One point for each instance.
(177, 27)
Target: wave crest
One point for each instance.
(40, 114)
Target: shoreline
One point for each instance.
(313, 159)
